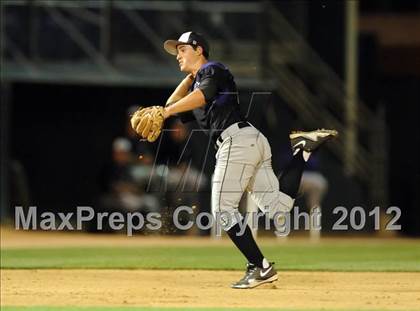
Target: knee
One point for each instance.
(227, 218)
(277, 203)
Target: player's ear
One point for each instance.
(199, 50)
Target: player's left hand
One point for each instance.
(148, 122)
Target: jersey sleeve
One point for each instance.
(209, 83)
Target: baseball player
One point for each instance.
(208, 94)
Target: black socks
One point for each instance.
(290, 179)
(289, 184)
(246, 244)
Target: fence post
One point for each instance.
(264, 35)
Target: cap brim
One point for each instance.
(170, 46)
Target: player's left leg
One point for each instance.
(229, 182)
(237, 159)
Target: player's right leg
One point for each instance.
(273, 195)
(303, 144)
(311, 141)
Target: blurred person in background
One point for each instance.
(124, 181)
(314, 187)
(313, 184)
(183, 181)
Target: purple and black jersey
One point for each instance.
(222, 107)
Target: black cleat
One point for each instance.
(310, 141)
(255, 276)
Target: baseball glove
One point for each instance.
(148, 122)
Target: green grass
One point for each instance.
(322, 257)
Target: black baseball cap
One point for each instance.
(191, 38)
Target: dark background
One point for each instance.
(62, 134)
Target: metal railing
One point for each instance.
(110, 38)
(314, 90)
(275, 51)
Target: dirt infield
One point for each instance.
(338, 290)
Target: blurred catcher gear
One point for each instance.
(310, 141)
(148, 122)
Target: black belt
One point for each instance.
(241, 124)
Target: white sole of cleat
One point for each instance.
(313, 135)
(270, 280)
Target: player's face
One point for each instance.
(187, 57)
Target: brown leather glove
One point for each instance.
(148, 122)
